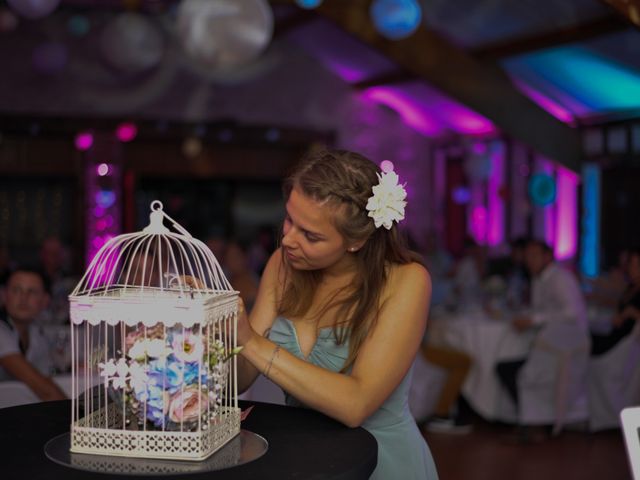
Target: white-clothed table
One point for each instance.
(487, 341)
(17, 393)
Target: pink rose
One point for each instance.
(187, 405)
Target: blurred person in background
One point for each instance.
(261, 249)
(606, 290)
(467, 278)
(517, 277)
(5, 268)
(54, 262)
(217, 243)
(439, 262)
(628, 309)
(24, 351)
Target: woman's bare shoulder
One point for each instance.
(402, 274)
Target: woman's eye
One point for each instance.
(311, 238)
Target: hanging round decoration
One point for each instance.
(33, 9)
(132, 44)
(542, 189)
(78, 25)
(396, 19)
(308, 4)
(223, 34)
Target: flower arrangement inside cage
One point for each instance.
(170, 379)
(153, 325)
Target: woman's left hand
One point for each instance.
(245, 330)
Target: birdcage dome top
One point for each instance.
(159, 274)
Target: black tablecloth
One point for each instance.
(303, 444)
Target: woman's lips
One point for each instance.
(291, 256)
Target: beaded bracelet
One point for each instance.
(273, 356)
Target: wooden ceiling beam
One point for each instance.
(386, 78)
(483, 87)
(519, 46)
(577, 33)
(630, 9)
(293, 21)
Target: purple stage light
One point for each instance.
(84, 141)
(126, 131)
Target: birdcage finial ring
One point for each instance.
(156, 205)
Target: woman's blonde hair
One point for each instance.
(345, 179)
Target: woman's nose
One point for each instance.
(288, 238)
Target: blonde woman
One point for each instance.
(342, 307)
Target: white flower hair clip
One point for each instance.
(387, 203)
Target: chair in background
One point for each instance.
(614, 382)
(552, 385)
(630, 418)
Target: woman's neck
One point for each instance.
(342, 272)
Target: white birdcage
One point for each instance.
(153, 325)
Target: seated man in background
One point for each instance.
(628, 309)
(24, 352)
(555, 297)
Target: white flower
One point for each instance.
(139, 349)
(119, 382)
(122, 368)
(387, 203)
(107, 369)
(138, 379)
(148, 347)
(156, 348)
(188, 347)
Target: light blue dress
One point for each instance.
(402, 451)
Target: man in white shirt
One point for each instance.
(24, 352)
(555, 297)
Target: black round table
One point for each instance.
(303, 444)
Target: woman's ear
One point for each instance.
(354, 247)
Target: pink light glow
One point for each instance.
(406, 108)
(97, 242)
(471, 123)
(102, 169)
(84, 141)
(126, 132)
(98, 211)
(545, 102)
(346, 72)
(479, 148)
(386, 166)
(479, 224)
(496, 208)
(101, 224)
(566, 245)
(418, 103)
